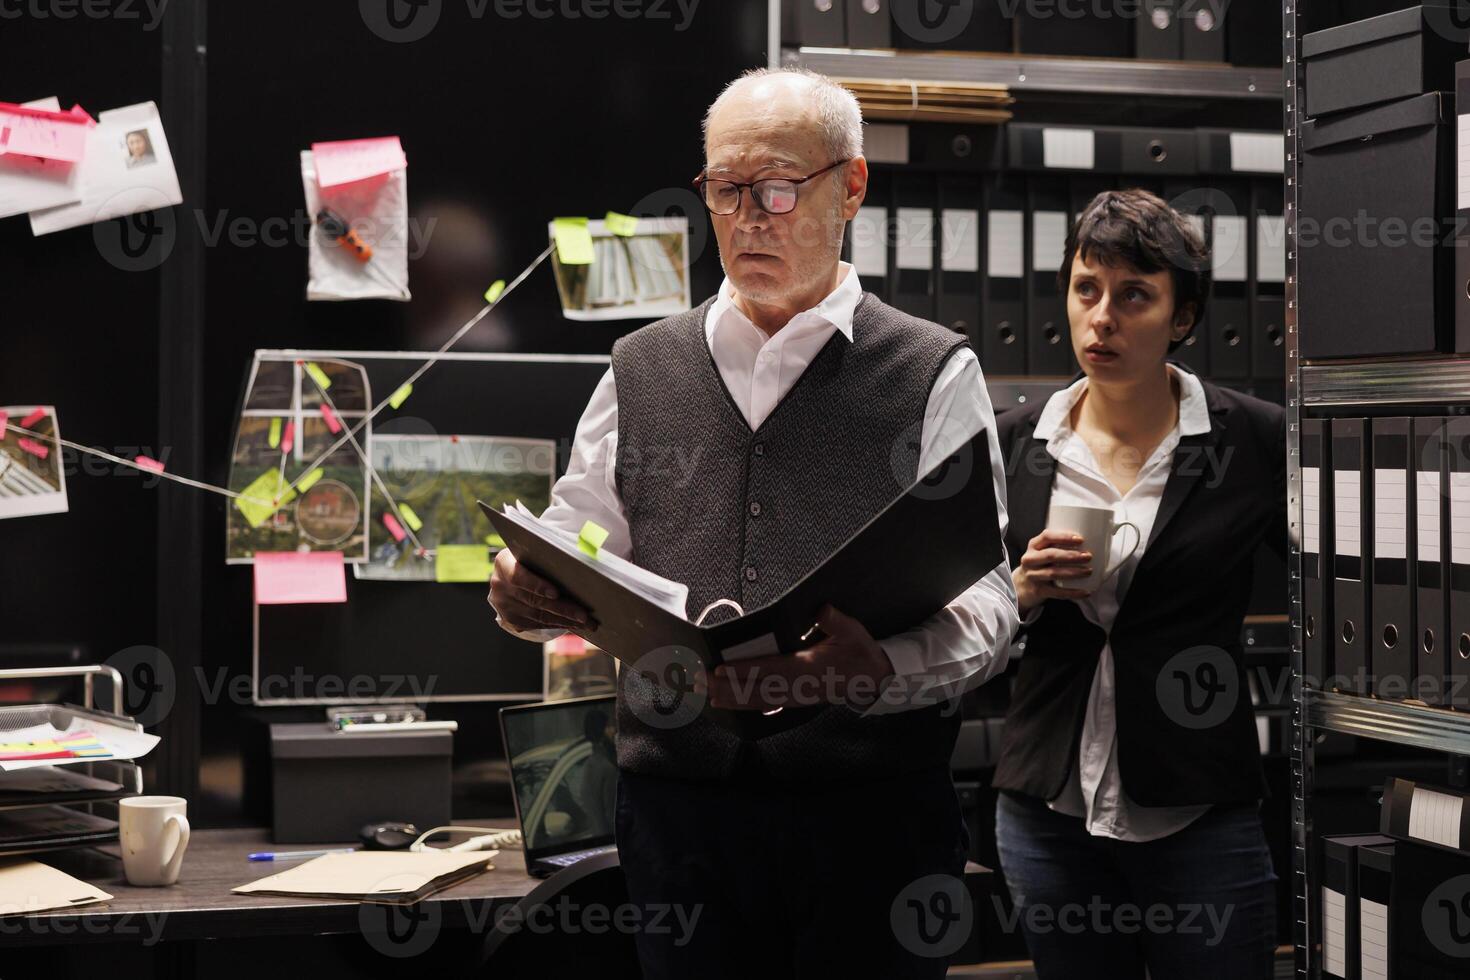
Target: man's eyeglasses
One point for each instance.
(773, 195)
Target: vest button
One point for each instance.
(750, 573)
(755, 508)
(760, 449)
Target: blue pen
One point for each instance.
(293, 855)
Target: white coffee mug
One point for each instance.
(154, 833)
(1097, 527)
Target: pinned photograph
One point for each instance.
(127, 170)
(286, 503)
(640, 272)
(31, 478)
(435, 481)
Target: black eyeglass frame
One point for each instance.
(703, 179)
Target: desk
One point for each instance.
(201, 905)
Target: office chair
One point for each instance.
(553, 954)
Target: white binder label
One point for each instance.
(1270, 248)
(1227, 252)
(1312, 510)
(1435, 817)
(1260, 153)
(1004, 234)
(1069, 148)
(959, 240)
(870, 242)
(1347, 511)
(1427, 517)
(1373, 933)
(1460, 518)
(1334, 933)
(1390, 514)
(1048, 240)
(914, 239)
(1462, 135)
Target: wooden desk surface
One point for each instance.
(202, 906)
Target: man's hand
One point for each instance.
(848, 665)
(525, 601)
(1048, 564)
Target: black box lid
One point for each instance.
(317, 741)
(1410, 20)
(1429, 109)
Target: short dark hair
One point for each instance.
(1140, 229)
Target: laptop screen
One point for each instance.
(563, 771)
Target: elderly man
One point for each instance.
(807, 406)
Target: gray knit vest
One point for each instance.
(743, 515)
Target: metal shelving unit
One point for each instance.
(1400, 722)
(1407, 381)
(1037, 73)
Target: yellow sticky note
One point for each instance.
(495, 541)
(621, 224)
(462, 563)
(591, 537)
(496, 288)
(275, 436)
(409, 517)
(318, 375)
(309, 480)
(573, 241)
(264, 497)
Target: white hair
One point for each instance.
(838, 112)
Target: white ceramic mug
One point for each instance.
(1097, 527)
(154, 833)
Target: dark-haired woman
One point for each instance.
(1128, 824)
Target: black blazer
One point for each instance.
(1186, 730)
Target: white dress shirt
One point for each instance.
(961, 646)
(1094, 790)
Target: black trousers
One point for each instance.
(754, 879)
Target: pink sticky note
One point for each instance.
(41, 133)
(33, 418)
(148, 463)
(4, 421)
(287, 436)
(293, 576)
(35, 448)
(331, 419)
(394, 528)
(343, 161)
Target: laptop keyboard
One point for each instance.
(566, 860)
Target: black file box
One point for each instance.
(981, 25)
(1156, 33)
(1377, 203)
(1101, 31)
(326, 784)
(1392, 56)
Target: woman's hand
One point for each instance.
(1049, 563)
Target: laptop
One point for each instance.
(563, 778)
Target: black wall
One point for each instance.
(506, 123)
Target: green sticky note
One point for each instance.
(318, 375)
(409, 517)
(309, 480)
(496, 288)
(573, 241)
(264, 497)
(591, 537)
(275, 436)
(621, 224)
(462, 563)
(495, 541)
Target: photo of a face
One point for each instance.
(139, 147)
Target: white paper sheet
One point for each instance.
(119, 743)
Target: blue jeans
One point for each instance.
(1197, 904)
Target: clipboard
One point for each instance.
(929, 545)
